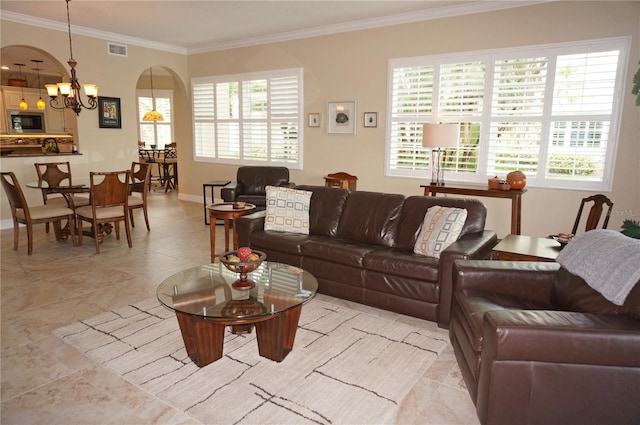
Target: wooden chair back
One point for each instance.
(140, 178)
(53, 173)
(15, 195)
(109, 189)
(595, 213)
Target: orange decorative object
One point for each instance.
(517, 179)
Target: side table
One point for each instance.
(211, 185)
(526, 248)
(228, 213)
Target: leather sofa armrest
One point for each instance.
(520, 279)
(230, 192)
(290, 185)
(470, 246)
(247, 224)
(561, 337)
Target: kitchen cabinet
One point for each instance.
(55, 119)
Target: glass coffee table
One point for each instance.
(205, 302)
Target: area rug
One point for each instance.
(346, 366)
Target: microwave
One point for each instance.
(23, 122)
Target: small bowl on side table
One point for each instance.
(232, 262)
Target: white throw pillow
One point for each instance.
(287, 210)
(441, 227)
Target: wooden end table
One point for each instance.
(211, 185)
(526, 248)
(227, 212)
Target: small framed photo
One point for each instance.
(341, 117)
(109, 114)
(370, 119)
(314, 119)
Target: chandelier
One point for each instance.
(152, 115)
(71, 91)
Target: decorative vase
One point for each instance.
(517, 179)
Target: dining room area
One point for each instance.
(75, 207)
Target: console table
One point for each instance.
(483, 191)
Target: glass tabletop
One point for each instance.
(78, 183)
(207, 291)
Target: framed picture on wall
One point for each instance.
(314, 119)
(109, 114)
(341, 117)
(370, 119)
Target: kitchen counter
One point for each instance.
(35, 144)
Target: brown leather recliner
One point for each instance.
(251, 182)
(537, 345)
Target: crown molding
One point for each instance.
(398, 19)
(89, 32)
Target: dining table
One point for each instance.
(68, 189)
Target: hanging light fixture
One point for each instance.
(152, 115)
(23, 103)
(40, 103)
(71, 91)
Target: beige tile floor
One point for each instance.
(45, 381)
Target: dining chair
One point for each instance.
(170, 165)
(23, 214)
(109, 195)
(140, 182)
(595, 213)
(53, 173)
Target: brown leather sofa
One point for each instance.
(360, 248)
(537, 345)
(251, 182)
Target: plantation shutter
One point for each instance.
(249, 118)
(411, 103)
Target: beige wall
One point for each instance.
(353, 66)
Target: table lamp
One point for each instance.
(438, 137)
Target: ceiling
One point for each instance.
(206, 25)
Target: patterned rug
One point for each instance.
(346, 366)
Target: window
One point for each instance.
(551, 111)
(249, 118)
(157, 133)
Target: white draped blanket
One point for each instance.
(346, 366)
(607, 260)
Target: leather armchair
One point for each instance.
(536, 344)
(251, 182)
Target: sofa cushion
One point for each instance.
(287, 210)
(339, 251)
(371, 218)
(441, 227)
(572, 293)
(325, 209)
(415, 208)
(403, 263)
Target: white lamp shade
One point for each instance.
(440, 135)
(52, 89)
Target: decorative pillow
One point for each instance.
(287, 210)
(441, 227)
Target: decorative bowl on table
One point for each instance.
(242, 261)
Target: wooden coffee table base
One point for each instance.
(204, 338)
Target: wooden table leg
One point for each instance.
(276, 335)
(212, 233)
(226, 234)
(203, 339)
(516, 214)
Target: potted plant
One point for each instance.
(636, 86)
(631, 228)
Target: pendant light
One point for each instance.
(23, 103)
(40, 103)
(152, 115)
